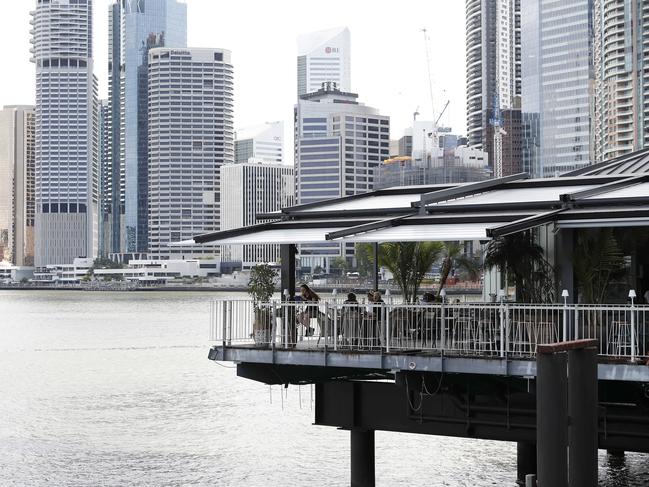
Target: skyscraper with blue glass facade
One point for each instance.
(135, 27)
(558, 85)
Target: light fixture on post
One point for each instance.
(564, 295)
(501, 295)
(632, 297)
(442, 293)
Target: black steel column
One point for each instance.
(565, 244)
(552, 419)
(362, 453)
(376, 266)
(525, 461)
(582, 408)
(287, 278)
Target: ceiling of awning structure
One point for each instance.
(452, 212)
(434, 232)
(515, 196)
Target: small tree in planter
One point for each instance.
(261, 287)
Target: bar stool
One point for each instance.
(619, 338)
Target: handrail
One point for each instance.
(504, 329)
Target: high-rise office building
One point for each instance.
(247, 190)
(338, 144)
(324, 56)
(17, 147)
(493, 81)
(135, 26)
(262, 142)
(66, 132)
(191, 136)
(105, 180)
(558, 85)
(621, 61)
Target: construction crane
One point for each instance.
(497, 123)
(430, 75)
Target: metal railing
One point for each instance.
(470, 329)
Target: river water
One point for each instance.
(111, 389)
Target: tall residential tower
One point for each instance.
(66, 132)
(493, 81)
(621, 53)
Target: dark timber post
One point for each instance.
(287, 278)
(376, 266)
(525, 461)
(551, 419)
(582, 409)
(362, 456)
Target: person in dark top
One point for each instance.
(351, 299)
(311, 310)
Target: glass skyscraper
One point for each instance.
(558, 84)
(135, 26)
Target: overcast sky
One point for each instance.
(389, 69)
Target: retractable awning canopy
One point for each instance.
(457, 212)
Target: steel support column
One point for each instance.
(376, 266)
(552, 419)
(362, 457)
(582, 409)
(287, 278)
(525, 461)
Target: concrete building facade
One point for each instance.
(339, 142)
(247, 190)
(17, 179)
(324, 56)
(66, 171)
(261, 142)
(191, 136)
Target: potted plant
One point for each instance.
(261, 287)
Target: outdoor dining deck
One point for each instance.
(498, 330)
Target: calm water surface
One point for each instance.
(110, 389)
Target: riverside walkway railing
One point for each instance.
(465, 329)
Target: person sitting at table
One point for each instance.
(351, 318)
(351, 299)
(428, 320)
(311, 310)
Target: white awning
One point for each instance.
(280, 236)
(434, 232)
(514, 195)
(604, 222)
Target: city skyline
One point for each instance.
(388, 56)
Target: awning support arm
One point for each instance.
(523, 224)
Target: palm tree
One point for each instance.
(409, 262)
(598, 261)
(454, 258)
(521, 262)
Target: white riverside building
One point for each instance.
(191, 136)
(66, 175)
(260, 142)
(339, 143)
(324, 56)
(17, 184)
(247, 190)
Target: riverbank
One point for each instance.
(220, 289)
